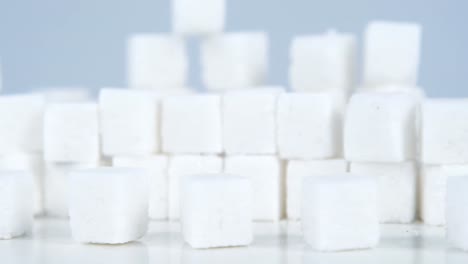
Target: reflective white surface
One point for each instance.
(51, 242)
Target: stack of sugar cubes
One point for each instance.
(381, 126)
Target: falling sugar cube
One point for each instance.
(108, 205)
(198, 17)
(352, 224)
(217, 211)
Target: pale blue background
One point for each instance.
(64, 42)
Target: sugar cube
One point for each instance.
(157, 168)
(352, 224)
(457, 208)
(391, 53)
(249, 121)
(217, 211)
(234, 60)
(380, 127)
(308, 126)
(66, 94)
(444, 131)
(433, 191)
(183, 165)
(397, 185)
(266, 174)
(156, 61)
(16, 203)
(33, 164)
(129, 122)
(21, 123)
(108, 205)
(324, 62)
(71, 132)
(198, 17)
(192, 124)
(56, 186)
(297, 171)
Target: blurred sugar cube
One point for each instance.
(209, 200)
(433, 191)
(324, 62)
(21, 123)
(71, 132)
(192, 124)
(156, 61)
(381, 127)
(391, 53)
(457, 208)
(66, 94)
(308, 126)
(234, 60)
(181, 166)
(444, 131)
(249, 121)
(266, 174)
(198, 17)
(116, 201)
(297, 171)
(352, 224)
(157, 168)
(129, 122)
(16, 203)
(397, 186)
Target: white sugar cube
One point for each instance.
(129, 122)
(353, 222)
(156, 61)
(16, 203)
(433, 191)
(308, 126)
(391, 53)
(33, 164)
(249, 121)
(297, 171)
(71, 132)
(457, 208)
(397, 185)
(56, 186)
(157, 168)
(234, 60)
(444, 131)
(323, 62)
(192, 124)
(21, 123)
(108, 205)
(266, 175)
(185, 165)
(381, 127)
(217, 211)
(66, 94)
(198, 17)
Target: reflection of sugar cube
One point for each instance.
(391, 53)
(108, 205)
(129, 122)
(380, 127)
(298, 170)
(156, 167)
(156, 61)
(234, 60)
(71, 132)
(198, 17)
(21, 123)
(396, 188)
(192, 124)
(217, 211)
(353, 222)
(444, 131)
(181, 166)
(265, 173)
(323, 62)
